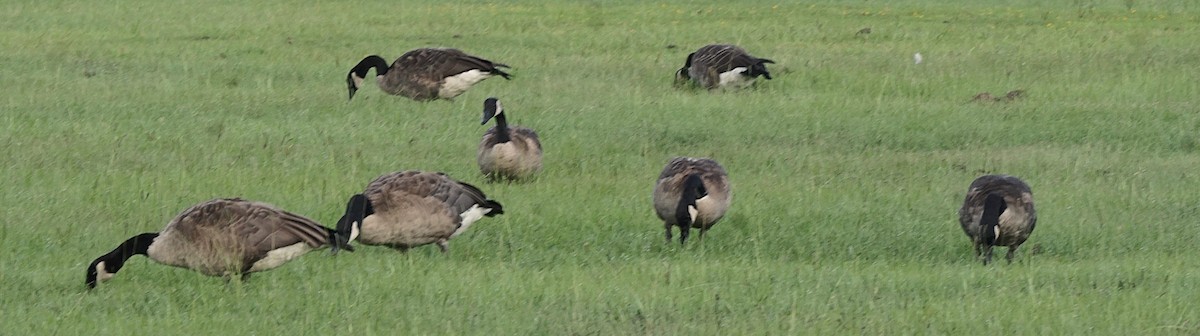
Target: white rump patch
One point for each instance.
(469, 217)
(455, 85)
(734, 79)
(279, 256)
(102, 272)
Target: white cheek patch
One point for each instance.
(355, 229)
(102, 273)
(357, 80)
(455, 85)
(469, 217)
(693, 212)
(996, 230)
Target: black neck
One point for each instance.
(682, 73)
(115, 259)
(993, 206)
(693, 189)
(502, 129)
(135, 245)
(357, 209)
(373, 61)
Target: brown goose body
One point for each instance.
(691, 193)
(998, 210)
(221, 237)
(722, 66)
(507, 152)
(412, 208)
(426, 73)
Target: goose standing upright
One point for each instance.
(691, 193)
(412, 208)
(507, 152)
(722, 66)
(221, 237)
(997, 211)
(426, 73)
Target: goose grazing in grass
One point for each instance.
(510, 153)
(411, 208)
(221, 237)
(998, 211)
(722, 66)
(426, 74)
(691, 193)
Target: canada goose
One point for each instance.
(691, 193)
(983, 97)
(998, 211)
(722, 66)
(1008, 97)
(411, 208)
(426, 73)
(221, 237)
(507, 152)
(1014, 95)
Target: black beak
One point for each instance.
(91, 278)
(487, 115)
(339, 243)
(350, 85)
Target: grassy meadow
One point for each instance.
(848, 168)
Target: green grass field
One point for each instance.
(848, 168)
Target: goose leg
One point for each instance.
(683, 233)
(979, 251)
(242, 277)
(987, 254)
(1012, 250)
(444, 245)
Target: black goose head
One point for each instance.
(349, 226)
(989, 221)
(681, 75)
(356, 75)
(492, 109)
(109, 264)
(685, 211)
